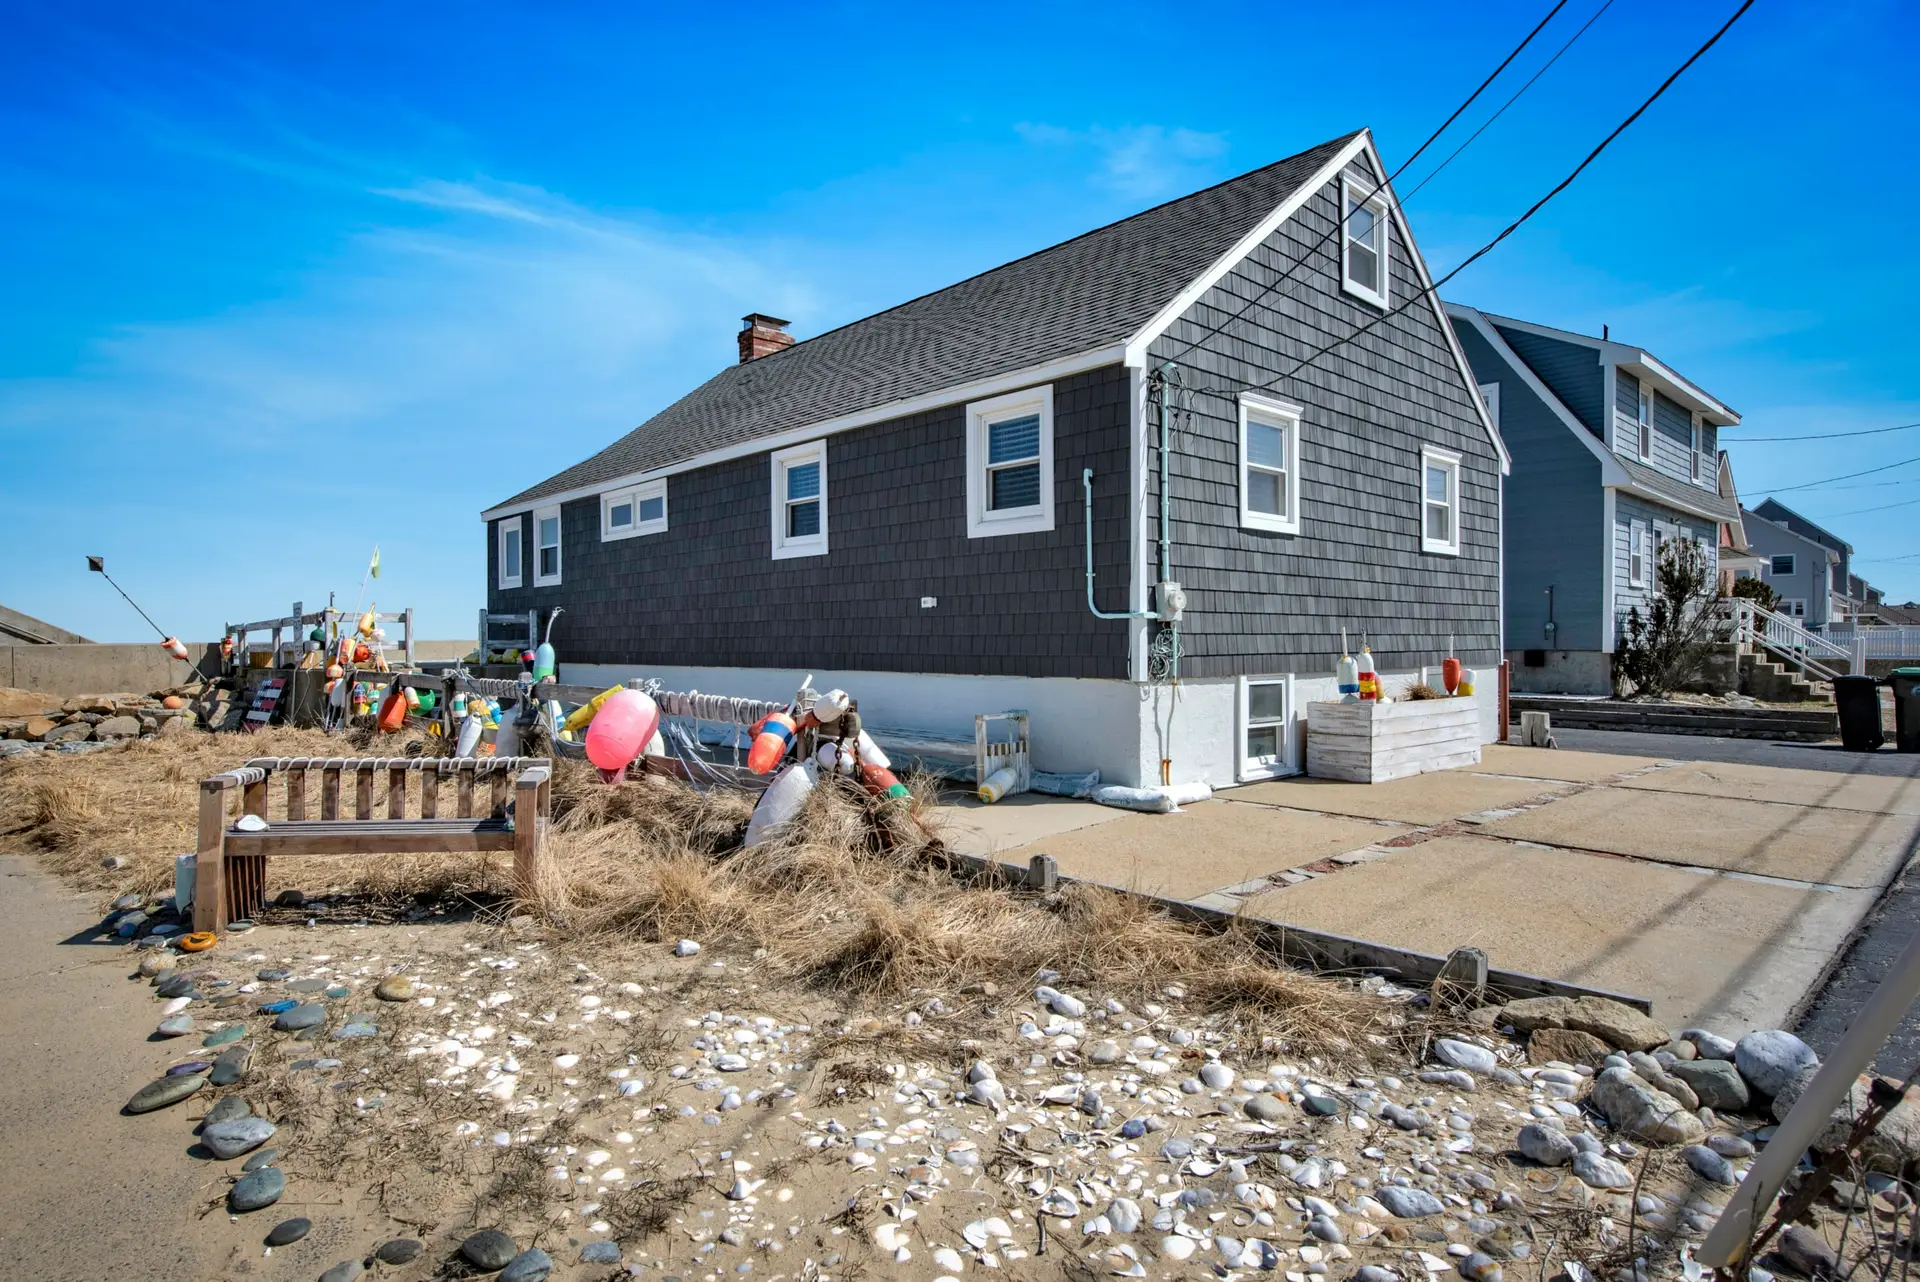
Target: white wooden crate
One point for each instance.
(1369, 742)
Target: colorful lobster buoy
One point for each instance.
(997, 785)
(393, 711)
(583, 714)
(412, 697)
(226, 646)
(1369, 677)
(1450, 674)
(173, 647)
(772, 736)
(368, 622)
(882, 782)
(620, 732)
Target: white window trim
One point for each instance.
(634, 495)
(1378, 204)
(1643, 424)
(559, 548)
(515, 526)
(1434, 454)
(785, 548)
(1247, 769)
(1696, 442)
(1793, 565)
(1792, 607)
(1287, 418)
(1637, 554)
(982, 524)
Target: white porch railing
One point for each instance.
(1755, 625)
(1881, 642)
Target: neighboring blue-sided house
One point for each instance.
(955, 506)
(1613, 454)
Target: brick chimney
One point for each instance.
(762, 335)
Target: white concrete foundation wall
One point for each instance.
(1116, 727)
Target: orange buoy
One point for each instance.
(361, 652)
(393, 711)
(173, 701)
(882, 782)
(771, 739)
(173, 647)
(1450, 673)
(198, 942)
(335, 671)
(226, 646)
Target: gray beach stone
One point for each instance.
(230, 1067)
(230, 1109)
(1458, 1054)
(265, 1157)
(531, 1265)
(1408, 1203)
(345, 1271)
(1640, 1111)
(1265, 1108)
(258, 1189)
(165, 1091)
(1596, 1170)
(489, 1250)
(1545, 1145)
(287, 1231)
(1709, 1165)
(231, 1139)
(1770, 1058)
(400, 1250)
(1710, 1045)
(600, 1253)
(1716, 1082)
(175, 1026)
(304, 1016)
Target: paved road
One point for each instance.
(1752, 752)
(1893, 922)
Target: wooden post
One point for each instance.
(407, 625)
(527, 825)
(297, 793)
(362, 794)
(482, 643)
(396, 792)
(209, 882)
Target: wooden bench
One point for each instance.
(230, 871)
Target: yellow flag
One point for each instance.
(374, 568)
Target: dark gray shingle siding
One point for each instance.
(1271, 603)
(1090, 292)
(707, 593)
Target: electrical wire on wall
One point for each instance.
(1167, 387)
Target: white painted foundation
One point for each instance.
(1116, 727)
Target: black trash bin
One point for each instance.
(1906, 708)
(1858, 699)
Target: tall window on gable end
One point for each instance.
(1699, 448)
(800, 501)
(1439, 501)
(1269, 464)
(510, 537)
(1010, 464)
(546, 546)
(1363, 241)
(1643, 422)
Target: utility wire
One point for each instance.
(1538, 205)
(1341, 221)
(1823, 436)
(1862, 511)
(1503, 106)
(1810, 485)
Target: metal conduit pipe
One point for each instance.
(1086, 483)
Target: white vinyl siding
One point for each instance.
(1010, 464)
(1439, 501)
(546, 547)
(1363, 243)
(1269, 464)
(640, 510)
(800, 501)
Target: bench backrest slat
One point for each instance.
(297, 793)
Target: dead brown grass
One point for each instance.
(852, 898)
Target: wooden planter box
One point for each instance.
(1373, 742)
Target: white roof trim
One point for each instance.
(1625, 354)
(1361, 145)
(958, 394)
(1612, 473)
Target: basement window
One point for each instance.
(1269, 464)
(1010, 464)
(510, 537)
(1439, 501)
(1363, 239)
(640, 510)
(1263, 727)
(800, 501)
(546, 547)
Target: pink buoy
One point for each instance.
(620, 730)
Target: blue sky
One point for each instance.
(280, 283)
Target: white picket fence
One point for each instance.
(1881, 642)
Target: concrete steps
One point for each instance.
(1766, 678)
(1809, 724)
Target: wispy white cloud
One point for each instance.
(1137, 161)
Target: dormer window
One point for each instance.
(1363, 241)
(1643, 422)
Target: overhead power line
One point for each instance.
(1340, 221)
(1848, 476)
(1862, 511)
(1822, 436)
(1537, 206)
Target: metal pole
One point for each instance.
(1727, 1243)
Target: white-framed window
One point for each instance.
(1264, 729)
(1439, 501)
(1363, 243)
(511, 552)
(800, 501)
(1269, 464)
(1696, 443)
(1793, 607)
(1637, 554)
(639, 510)
(546, 546)
(1643, 422)
(1490, 394)
(1010, 464)
(1782, 566)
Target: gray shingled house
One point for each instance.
(1613, 453)
(954, 506)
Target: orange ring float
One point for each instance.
(198, 942)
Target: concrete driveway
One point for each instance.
(1723, 892)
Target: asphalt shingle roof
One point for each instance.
(1092, 291)
(1681, 492)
